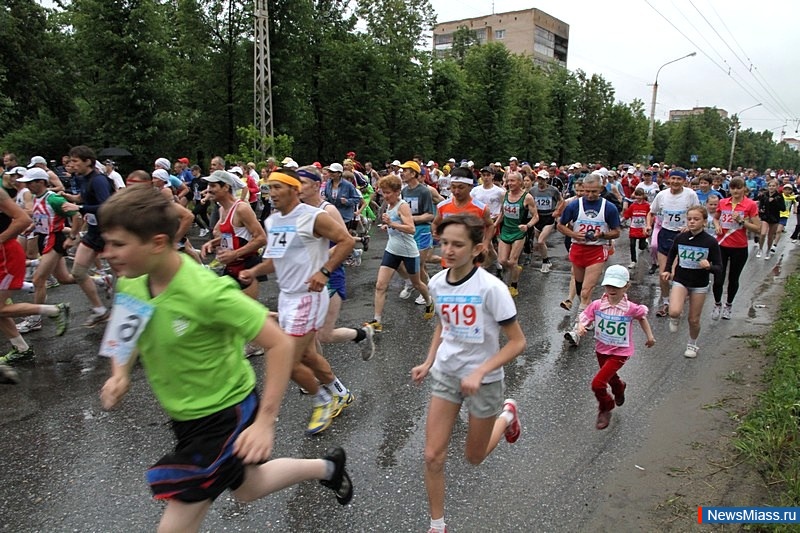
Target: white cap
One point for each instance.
(397, 163)
(724, 171)
(37, 160)
(34, 174)
(291, 164)
(236, 170)
(337, 167)
(543, 174)
(537, 165)
(772, 174)
(656, 165)
(553, 164)
(513, 158)
(163, 162)
(616, 276)
(221, 176)
(451, 160)
(498, 164)
(430, 163)
(470, 164)
(18, 170)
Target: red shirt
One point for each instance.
(733, 234)
(637, 214)
(629, 183)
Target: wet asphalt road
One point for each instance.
(66, 465)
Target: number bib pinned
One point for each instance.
(612, 329)
(41, 223)
(690, 256)
(129, 316)
(280, 237)
(462, 317)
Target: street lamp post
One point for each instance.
(736, 131)
(655, 93)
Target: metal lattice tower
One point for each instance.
(262, 78)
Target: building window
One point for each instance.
(499, 34)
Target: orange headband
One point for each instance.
(285, 178)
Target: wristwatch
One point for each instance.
(325, 272)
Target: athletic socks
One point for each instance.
(438, 525)
(337, 387)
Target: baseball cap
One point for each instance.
(236, 170)
(631, 170)
(34, 174)
(396, 162)
(616, 276)
(679, 173)
(430, 163)
(37, 160)
(513, 158)
(410, 164)
(184, 160)
(656, 165)
(18, 170)
(451, 160)
(337, 167)
(537, 165)
(163, 162)
(218, 176)
(487, 170)
(498, 164)
(543, 174)
(772, 174)
(553, 164)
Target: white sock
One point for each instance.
(48, 310)
(508, 416)
(337, 387)
(19, 343)
(99, 310)
(438, 524)
(377, 318)
(408, 284)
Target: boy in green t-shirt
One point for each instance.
(189, 328)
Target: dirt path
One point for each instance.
(688, 459)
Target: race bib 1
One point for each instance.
(690, 256)
(278, 240)
(612, 329)
(462, 317)
(129, 316)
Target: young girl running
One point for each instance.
(770, 205)
(698, 255)
(465, 359)
(613, 315)
(637, 214)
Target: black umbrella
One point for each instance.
(114, 151)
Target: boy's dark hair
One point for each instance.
(143, 211)
(83, 153)
(475, 229)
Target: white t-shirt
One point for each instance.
(671, 208)
(492, 197)
(117, 179)
(293, 248)
(470, 313)
(650, 190)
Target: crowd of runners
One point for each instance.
(459, 234)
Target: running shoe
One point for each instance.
(546, 267)
(15, 355)
(29, 324)
(105, 282)
(365, 242)
(566, 304)
(52, 283)
(726, 312)
(252, 350)
(320, 418)
(8, 375)
(663, 310)
(61, 319)
(653, 269)
(203, 232)
(429, 311)
(420, 300)
(691, 351)
(96, 318)
(368, 343)
(794, 241)
(513, 291)
(572, 337)
(341, 402)
(357, 257)
(525, 259)
(673, 325)
(405, 294)
(632, 264)
(514, 429)
(340, 481)
(603, 419)
(716, 312)
(376, 326)
(758, 254)
(619, 399)
(773, 249)
(767, 255)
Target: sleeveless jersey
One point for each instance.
(233, 237)
(595, 221)
(296, 253)
(400, 244)
(514, 214)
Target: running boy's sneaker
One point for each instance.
(420, 300)
(716, 312)
(691, 351)
(726, 312)
(405, 294)
(376, 326)
(8, 375)
(341, 402)
(52, 283)
(368, 343)
(15, 355)
(546, 267)
(514, 429)
(673, 325)
(62, 318)
(572, 337)
(340, 481)
(29, 324)
(320, 418)
(96, 318)
(429, 311)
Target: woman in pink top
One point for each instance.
(613, 315)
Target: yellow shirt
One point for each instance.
(788, 200)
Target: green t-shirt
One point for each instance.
(192, 347)
(56, 201)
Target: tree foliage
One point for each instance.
(175, 78)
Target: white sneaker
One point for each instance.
(29, 324)
(405, 294)
(572, 337)
(758, 254)
(673, 325)
(691, 351)
(203, 232)
(420, 300)
(726, 312)
(546, 267)
(794, 241)
(632, 264)
(767, 256)
(716, 312)
(773, 249)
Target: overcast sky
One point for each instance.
(626, 41)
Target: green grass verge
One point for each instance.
(769, 436)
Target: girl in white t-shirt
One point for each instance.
(465, 359)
